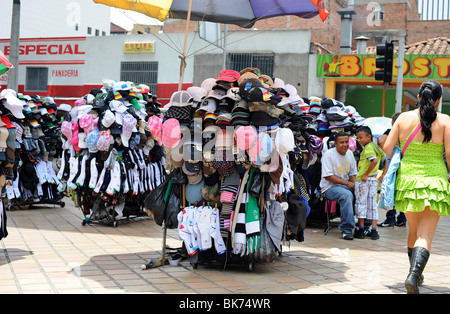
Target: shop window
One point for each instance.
(145, 72)
(36, 79)
(239, 61)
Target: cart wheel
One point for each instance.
(62, 204)
(115, 223)
(83, 222)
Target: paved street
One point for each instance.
(49, 251)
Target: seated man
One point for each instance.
(338, 181)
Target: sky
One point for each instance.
(126, 19)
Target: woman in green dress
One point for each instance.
(422, 189)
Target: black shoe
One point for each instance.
(400, 224)
(421, 279)
(419, 259)
(385, 224)
(359, 234)
(347, 236)
(374, 235)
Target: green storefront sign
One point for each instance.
(420, 67)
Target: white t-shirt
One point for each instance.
(336, 164)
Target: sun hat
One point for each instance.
(129, 123)
(171, 133)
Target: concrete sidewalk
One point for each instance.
(49, 251)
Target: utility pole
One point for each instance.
(13, 74)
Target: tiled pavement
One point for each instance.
(49, 251)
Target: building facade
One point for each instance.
(67, 68)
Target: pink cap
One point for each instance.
(245, 137)
(80, 102)
(86, 122)
(154, 126)
(74, 140)
(351, 144)
(66, 129)
(171, 132)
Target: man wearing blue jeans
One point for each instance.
(338, 181)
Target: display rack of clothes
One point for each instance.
(30, 149)
(109, 160)
(239, 148)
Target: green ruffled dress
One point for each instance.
(422, 179)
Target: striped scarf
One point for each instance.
(252, 227)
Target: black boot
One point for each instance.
(421, 276)
(419, 259)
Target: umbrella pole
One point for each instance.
(183, 57)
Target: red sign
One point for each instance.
(47, 49)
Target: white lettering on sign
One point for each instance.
(65, 73)
(43, 49)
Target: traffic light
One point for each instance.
(384, 63)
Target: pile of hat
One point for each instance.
(218, 131)
(110, 160)
(31, 147)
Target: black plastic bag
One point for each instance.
(172, 210)
(155, 204)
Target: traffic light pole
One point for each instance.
(385, 86)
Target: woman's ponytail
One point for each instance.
(430, 92)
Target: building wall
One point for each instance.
(56, 18)
(77, 64)
(423, 30)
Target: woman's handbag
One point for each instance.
(387, 189)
